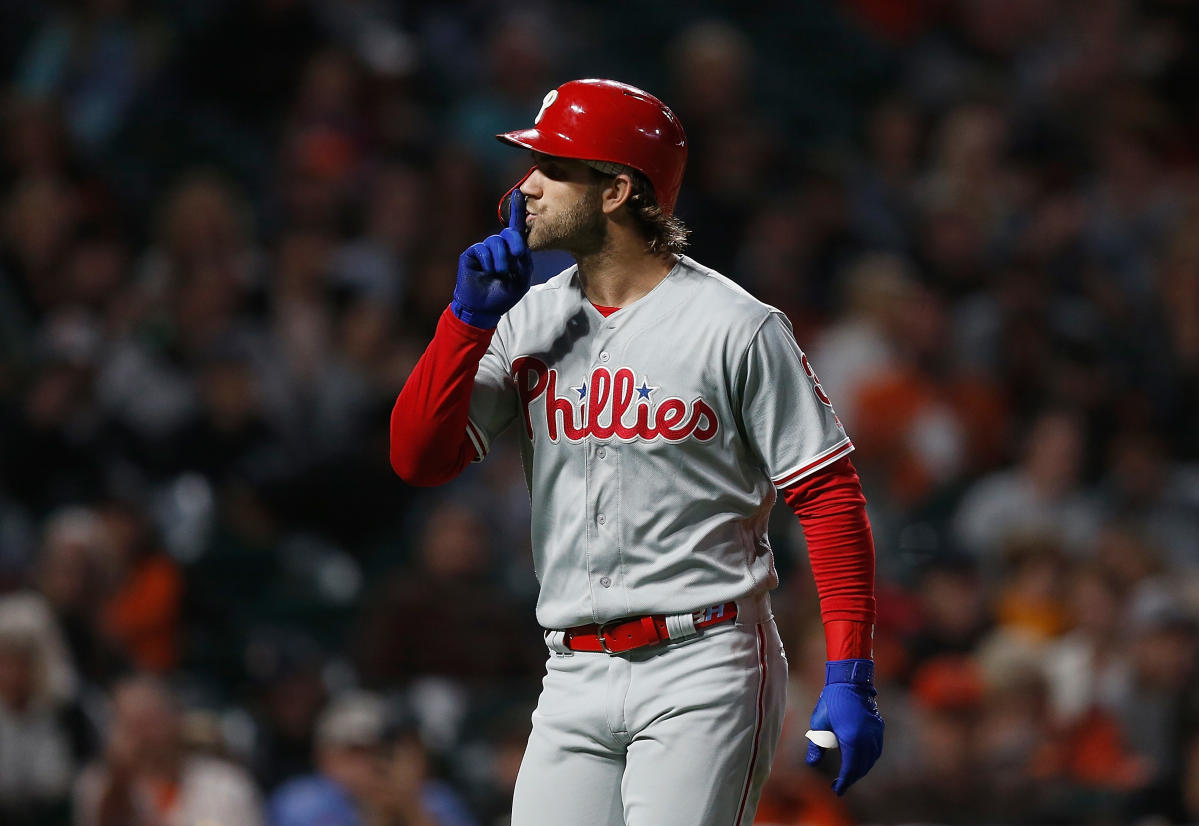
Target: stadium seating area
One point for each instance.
(227, 230)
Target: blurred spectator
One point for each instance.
(489, 761)
(146, 777)
(1158, 715)
(1089, 666)
(1190, 781)
(375, 264)
(324, 145)
(1178, 299)
(371, 769)
(1013, 729)
(938, 779)
(36, 144)
(878, 292)
(141, 613)
(733, 147)
(926, 422)
(17, 542)
(1029, 600)
(1149, 493)
(58, 437)
(349, 738)
(883, 187)
(1042, 495)
(97, 55)
(37, 758)
(191, 296)
(469, 629)
(41, 213)
(953, 610)
(288, 694)
(410, 796)
(73, 578)
(964, 197)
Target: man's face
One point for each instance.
(563, 205)
(147, 724)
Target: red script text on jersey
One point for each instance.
(610, 406)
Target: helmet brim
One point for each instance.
(547, 143)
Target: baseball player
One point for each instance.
(659, 407)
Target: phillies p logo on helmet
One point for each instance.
(550, 97)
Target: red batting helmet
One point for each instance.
(602, 120)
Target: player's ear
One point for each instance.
(616, 193)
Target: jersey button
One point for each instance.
(601, 453)
(606, 581)
(604, 356)
(601, 519)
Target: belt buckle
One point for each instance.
(600, 633)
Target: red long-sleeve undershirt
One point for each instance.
(429, 446)
(832, 511)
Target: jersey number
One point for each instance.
(820, 394)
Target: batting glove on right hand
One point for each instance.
(493, 275)
(847, 717)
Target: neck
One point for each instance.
(617, 276)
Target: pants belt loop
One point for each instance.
(556, 641)
(680, 626)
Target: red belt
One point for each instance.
(622, 635)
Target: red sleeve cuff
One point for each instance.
(462, 331)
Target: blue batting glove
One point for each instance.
(847, 717)
(494, 274)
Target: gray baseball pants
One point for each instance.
(680, 734)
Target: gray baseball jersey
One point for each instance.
(652, 440)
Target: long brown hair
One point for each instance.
(664, 233)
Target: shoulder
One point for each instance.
(719, 296)
(556, 296)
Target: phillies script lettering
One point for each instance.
(608, 405)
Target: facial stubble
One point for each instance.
(581, 230)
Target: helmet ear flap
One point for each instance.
(502, 208)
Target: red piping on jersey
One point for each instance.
(826, 458)
(429, 442)
(832, 511)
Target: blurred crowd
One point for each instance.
(227, 230)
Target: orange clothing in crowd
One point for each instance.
(893, 408)
(803, 799)
(1040, 619)
(1092, 752)
(143, 615)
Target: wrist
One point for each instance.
(857, 672)
(475, 318)
(848, 639)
